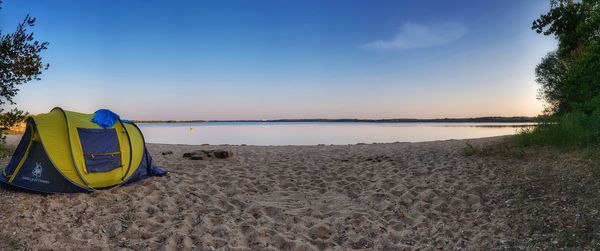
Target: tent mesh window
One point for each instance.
(101, 150)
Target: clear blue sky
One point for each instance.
(285, 59)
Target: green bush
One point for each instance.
(568, 130)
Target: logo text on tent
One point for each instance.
(36, 174)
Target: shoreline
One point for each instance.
(13, 140)
(332, 145)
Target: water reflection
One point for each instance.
(306, 133)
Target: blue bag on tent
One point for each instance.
(105, 118)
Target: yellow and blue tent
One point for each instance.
(64, 151)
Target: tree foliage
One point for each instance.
(569, 77)
(20, 62)
(550, 75)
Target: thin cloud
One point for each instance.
(412, 36)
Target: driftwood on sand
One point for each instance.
(208, 154)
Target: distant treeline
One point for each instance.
(520, 119)
(169, 121)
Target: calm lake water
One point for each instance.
(308, 133)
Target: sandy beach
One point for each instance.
(300, 125)
(398, 196)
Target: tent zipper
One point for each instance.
(93, 155)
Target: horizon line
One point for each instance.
(505, 119)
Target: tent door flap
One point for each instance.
(101, 151)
